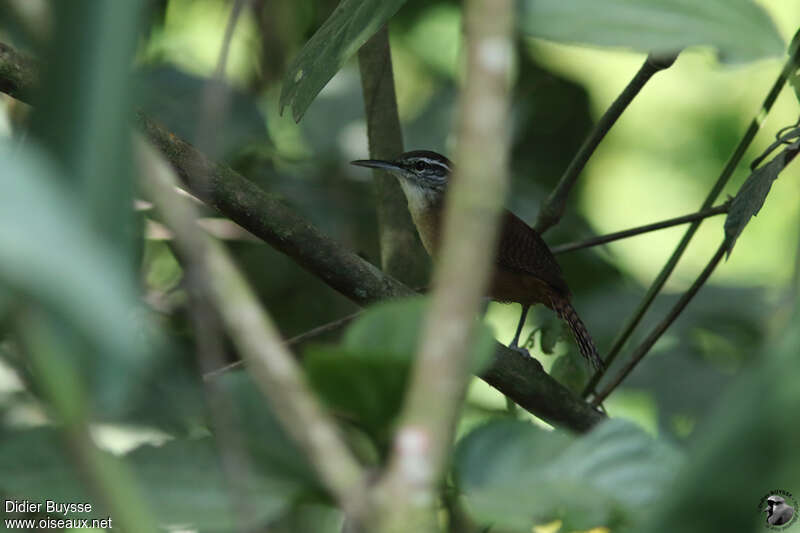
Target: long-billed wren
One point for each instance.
(525, 270)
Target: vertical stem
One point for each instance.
(651, 339)
(727, 172)
(402, 255)
(439, 377)
(555, 205)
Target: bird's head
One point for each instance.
(423, 175)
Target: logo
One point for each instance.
(779, 508)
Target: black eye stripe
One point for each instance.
(434, 166)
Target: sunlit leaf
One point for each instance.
(514, 475)
(739, 29)
(752, 194)
(350, 25)
(794, 79)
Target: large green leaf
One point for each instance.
(739, 29)
(745, 451)
(754, 190)
(185, 484)
(52, 256)
(272, 450)
(350, 25)
(82, 110)
(514, 475)
(34, 466)
(183, 481)
(366, 376)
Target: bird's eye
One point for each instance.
(420, 166)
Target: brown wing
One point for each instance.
(523, 250)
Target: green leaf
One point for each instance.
(364, 385)
(514, 475)
(182, 480)
(752, 194)
(366, 376)
(744, 450)
(310, 518)
(550, 333)
(350, 25)
(34, 466)
(272, 450)
(185, 484)
(393, 328)
(83, 108)
(571, 371)
(739, 29)
(52, 256)
(794, 80)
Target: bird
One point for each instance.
(778, 511)
(525, 270)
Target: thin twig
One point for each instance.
(555, 205)
(727, 172)
(603, 239)
(440, 374)
(225, 419)
(651, 339)
(272, 366)
(297, 339)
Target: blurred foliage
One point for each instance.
(608, 477)
(714, 401)
(364, 378)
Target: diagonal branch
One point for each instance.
(522, 380)
(603, 239)
(272, 366)
(555, 205)
(659, 330)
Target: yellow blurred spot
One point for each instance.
(552, 527)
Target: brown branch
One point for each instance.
(267, 218)
(402, 255)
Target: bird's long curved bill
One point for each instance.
(374, 163)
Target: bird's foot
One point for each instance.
(519, 349)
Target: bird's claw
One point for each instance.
(519, 349)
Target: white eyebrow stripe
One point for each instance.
(435, 162)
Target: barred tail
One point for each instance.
(586, 345)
